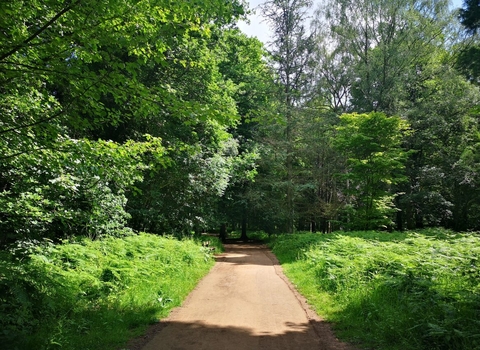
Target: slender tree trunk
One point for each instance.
(409, 209)
(223, 232)
(399, 220)
(244, 236)
(289, 161)
(460, 211)
(418, 220)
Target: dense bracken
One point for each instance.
(94, 294)
(413, 290)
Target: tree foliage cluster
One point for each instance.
(161, 116)
(121, 115)
(381, 127)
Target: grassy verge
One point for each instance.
(414, 290)
(94, 295)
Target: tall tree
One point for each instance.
(470, 15)
(291, 53)
(384, 42)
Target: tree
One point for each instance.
(291, 52)
(468, 53)
(442, 114)
(382, 42)
(211, 156)
(72, 72)
(375, 163)
(470, 15)
(320, 197)
(468, 63)
(68, 62)
(78, 188)
(242, 61)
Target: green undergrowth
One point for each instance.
(94, 294)
(391, 291)
(258, 236)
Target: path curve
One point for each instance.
(244, 303)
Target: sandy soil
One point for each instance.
(244, 303)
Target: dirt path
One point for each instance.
(244, 303)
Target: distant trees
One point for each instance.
(398, 64)
(376, 58)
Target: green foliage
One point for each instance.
(93, 294)
(442, 187)
(470, 15)
(468, 64)
(413, 290)
(291, 56)
(255, 236)
(183, 195)
(208, 152)
(381, 45)
(375, 161)
(78, 74)
(82, 62)
(77, 188)
(467, 59)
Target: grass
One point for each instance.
(413, 290)
(94, 294)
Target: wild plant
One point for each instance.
(414, 290)
(93, 294)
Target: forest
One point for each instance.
(157, 116)
(120, 117)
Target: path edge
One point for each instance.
(322, 328)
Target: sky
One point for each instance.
(260, 29)
(257, 26)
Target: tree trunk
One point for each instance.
(418, 220)
(399, 220)
(223, 232)
(244, 237)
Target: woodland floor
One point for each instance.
(245, 302)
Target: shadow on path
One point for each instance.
(200, 336)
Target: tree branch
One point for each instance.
(39, 31)
(15, 128)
